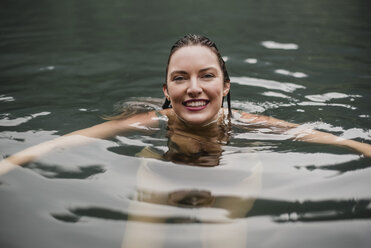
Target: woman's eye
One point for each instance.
(208, 75)
(178, 78)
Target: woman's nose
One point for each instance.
(194, 88)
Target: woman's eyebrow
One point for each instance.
(178, 72)
(208, 68)
(184, 72)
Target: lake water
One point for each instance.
(64, 64)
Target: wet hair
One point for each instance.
(193, 40)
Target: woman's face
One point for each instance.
(195, 84)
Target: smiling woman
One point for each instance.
(196, 83)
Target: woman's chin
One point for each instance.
(198, 120)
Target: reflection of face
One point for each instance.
(195, 84)
(191, 198)
(193, 150)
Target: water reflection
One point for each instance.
(278, 210)
(54, 171)
(310, 211)
(268, 84)
(75, 214)
(292, 74)
(277, 45)
(330, 96)
(5, 121)
(341, 167)
(5, 98)
(198, 187)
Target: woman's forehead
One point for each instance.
(193, 56)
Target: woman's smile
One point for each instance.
(195, 104)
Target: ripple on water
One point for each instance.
(4, 98)
(292, 74)
(329, 96)
(260, 107)
(268, 84)
(5, 121)
(276, 45)
(327, 104)
(251, 61)
(275, 94)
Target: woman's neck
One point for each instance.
(212, 129)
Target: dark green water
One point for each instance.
(63, 64)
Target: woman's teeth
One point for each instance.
(196, 103)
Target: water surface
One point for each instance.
(64, 64)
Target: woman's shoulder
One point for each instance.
(164, 112)
(248, 116)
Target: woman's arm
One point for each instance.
(306, 134)
(314, 136)
(109, 129)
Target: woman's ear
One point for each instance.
(226, 88)
(166, 93)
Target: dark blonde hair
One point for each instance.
(192, 40)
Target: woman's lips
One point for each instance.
(195, 104)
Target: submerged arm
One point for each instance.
(105, 130)
(314, 136)
(306, 134)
